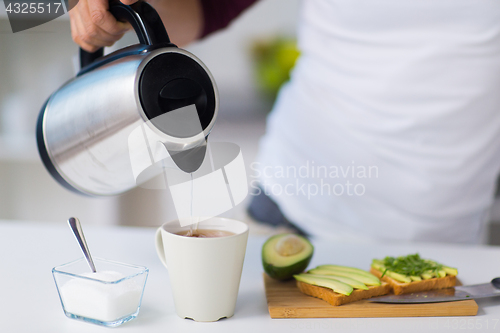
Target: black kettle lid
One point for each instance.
(174, 79)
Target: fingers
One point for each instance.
(91, 37)
(76, 37)
(128, 2)
(78, 33)
(93, 26)
(99, 16)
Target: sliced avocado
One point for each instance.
(442, 273)
(398, 277)
(428, 275)
(370, 280)
(394, 275)
(336, 286)
(285, 255)
(353, 283)
(378, 266)
(450, 270)
(345, 269)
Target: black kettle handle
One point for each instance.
(143, 18)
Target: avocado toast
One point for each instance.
(340, 284)
(407, 274)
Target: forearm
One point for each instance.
(93, 26)
(189, 20)
(183, 19)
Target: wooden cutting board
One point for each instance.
(284, 300)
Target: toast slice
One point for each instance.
(415, 286)
(336, 299)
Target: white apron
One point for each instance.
(390, 125)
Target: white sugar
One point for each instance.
(101, 301)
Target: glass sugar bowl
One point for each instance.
(110, 297)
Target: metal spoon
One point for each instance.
(75, 226)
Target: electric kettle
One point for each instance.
(89, 132)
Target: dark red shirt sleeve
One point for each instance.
(218, 14)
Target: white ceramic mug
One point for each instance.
(204, 272)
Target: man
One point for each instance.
(390, 124)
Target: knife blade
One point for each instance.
(490, 289)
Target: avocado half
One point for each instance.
(285, 255)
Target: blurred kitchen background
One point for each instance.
(34, 63)
(249, 61)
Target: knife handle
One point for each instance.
(496, 282)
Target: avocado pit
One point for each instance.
(289, 245)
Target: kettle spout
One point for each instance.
(189, 160)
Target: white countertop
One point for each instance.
(29, 300)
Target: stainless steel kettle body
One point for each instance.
(93, 132)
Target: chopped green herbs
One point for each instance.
(411, 265)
